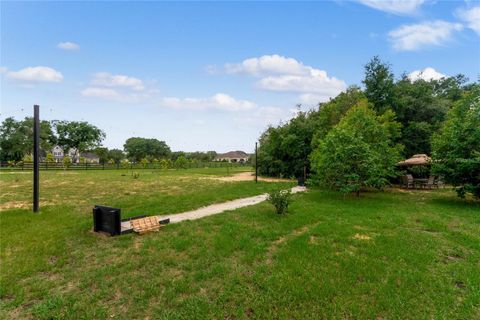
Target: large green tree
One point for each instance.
(139, 148)
(456, 148)
(80, 136)
(284, 150)
(379, 83)
(359, 152)
(116, 155)
(421, 107)
(330, 113)
(16, 138)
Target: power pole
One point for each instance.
(36, 154)
(256, 163)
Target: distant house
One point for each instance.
(59, 154)
(233, 156)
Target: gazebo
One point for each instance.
(415, 160)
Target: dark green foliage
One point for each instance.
(116, 155)
(80, 136)
(16, 138)
(102, 153)
(379, 84)
(456, 148)
(181, 163)
(139, 148)
(330, 113)
(358, 153)
(284, 150)
(421, 107)
(280, 199)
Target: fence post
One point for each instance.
(103, 165)
(118, 165)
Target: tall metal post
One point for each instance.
(256, 163)
(36, 154)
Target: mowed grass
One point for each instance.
(390, 255)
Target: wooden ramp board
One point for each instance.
(145, 225)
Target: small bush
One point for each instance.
(280, 200)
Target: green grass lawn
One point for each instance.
(391, 255)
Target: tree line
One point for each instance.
(354, 141)
(16, 144)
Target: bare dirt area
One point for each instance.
(247, 176)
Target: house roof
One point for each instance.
(416, 160)
(89, 155)
(232, 155)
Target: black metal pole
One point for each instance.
(256, 163)
(36, 145)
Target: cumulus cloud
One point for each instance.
(426, 74)
(219, 101)
(399, 7)
(36, 74)
(119, 88)
(68, 46)
(268, 64)
(417, 36)
(105, 93)
(471, 17)
(278, 73)
(106, 79)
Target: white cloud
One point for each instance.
(399, 7)
(278, 73)
(105, 79)
(426, 74)
(36, 74)
(3, 70)
(418, 36)
(68, 46)
(268, 64)
(471, 17)
(105, 93)
(219, 101)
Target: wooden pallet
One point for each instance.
(145, 225)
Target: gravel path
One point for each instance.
(214, 208)
(221, 207)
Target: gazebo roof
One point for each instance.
(416, 160)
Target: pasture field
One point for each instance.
(386, 255)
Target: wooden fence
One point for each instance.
(116, 166)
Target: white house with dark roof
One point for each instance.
(233, 156)
(59, 154)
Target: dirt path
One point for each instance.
(214, 208)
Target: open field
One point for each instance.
(408, 255)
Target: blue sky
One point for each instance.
(213, 75)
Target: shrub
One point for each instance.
(67, 162)
(125, 164)
(49, 158)
(165, 163)
(181, 163)
(144, 162)
(280, 200)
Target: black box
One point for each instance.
(107, 219)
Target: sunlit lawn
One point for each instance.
(391, 255)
